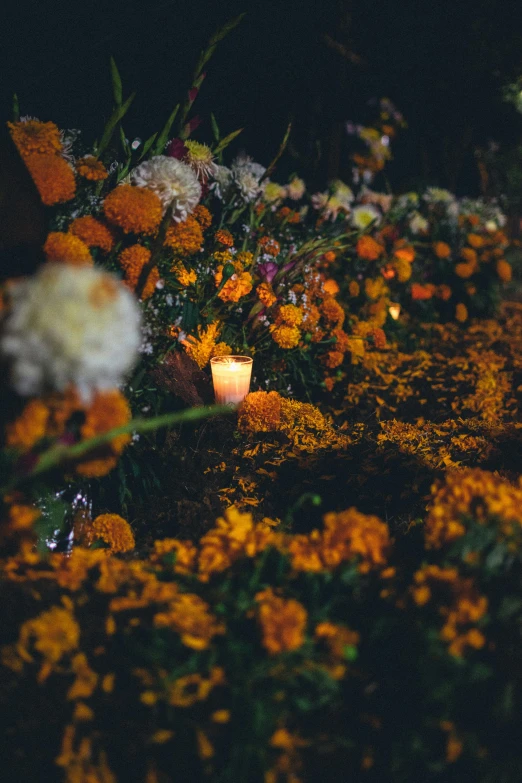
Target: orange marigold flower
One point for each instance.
(185, 238)
(469, 255)
(420, 292)
(441, 249)
(135, 210)
(203, 216)
(405, 253)
(444, 292)
(461, 312)
(504, 270)
(53, 178)
(266, 294)
(92, 232)
(465, 270)
(29, 427)
(403, 269)
(91, 168)
(283, 622)
(333, 359)
(108, 410)
(270, 246)
(379, 338)
(354, 288)
(237, 286)
(332, 311)
(53, 633)
(331, 287)
(260, 412)
(368, 248)
(350, 534)
(329, 256)
(224, 237)
(67, 249)
(34, 136)
(285, 336)
(184, 276)
(201, 348)
(132, 260)
(22, 517)
(475, 240)
(112, 530)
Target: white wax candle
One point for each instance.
(231, 378)
(395, 311)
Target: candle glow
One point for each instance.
(395, 311)
(231, 378)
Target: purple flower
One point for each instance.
(268, 271)
(176, 149)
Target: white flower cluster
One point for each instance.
(174, 182)
(70, 325)
(246, 175)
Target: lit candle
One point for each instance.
(231, 378)
(395, 311)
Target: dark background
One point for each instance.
(317, 61)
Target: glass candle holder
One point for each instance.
(231, 378)
(395, 311)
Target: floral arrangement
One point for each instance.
(325, 582)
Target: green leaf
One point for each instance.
(109, 129)
(148, 144)
(215, 128)
(226, 29)
(117, 89)
(226, 141)
(164, 135)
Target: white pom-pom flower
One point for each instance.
(364, 215)
(70, 325)
(247, 177)
(174, 182)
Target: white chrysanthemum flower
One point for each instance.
(199, 157)
(70, 325)
(222, 181)
(418, 224)
(247, 177)
(364, 215)
(343, 193)
(296, 189)
(319, 201)
(174, 182)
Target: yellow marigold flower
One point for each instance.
(350, 534)
(67, 249)
(183, 275)
(354, 288)
(442, 249)
(266, 294)
(92, 233)
(224, 237)
(471, 493)
(504, 270)
(244, 257)
(190, 616)
(22, 517)
(53, 633)
(461, 313)
(286, 337)
(203, 216)
(220, 716)
(337, 637)
(283, 622)
(29, 427)
(112, 530)
(332, 311)
(205, 747)
(108, 410)
(86, 679)
(403, 269)
(475, 240)
(91, 168)
(290, 315)
(53, 178)
(135, 210)
(260, 412)
(221, 349)
(368, 249)
(34, 136)
(201, 348)
(186, 691)
(185, 238)
(375, 288)
(222, 257)
(132, 260)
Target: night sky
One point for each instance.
(443, 64)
